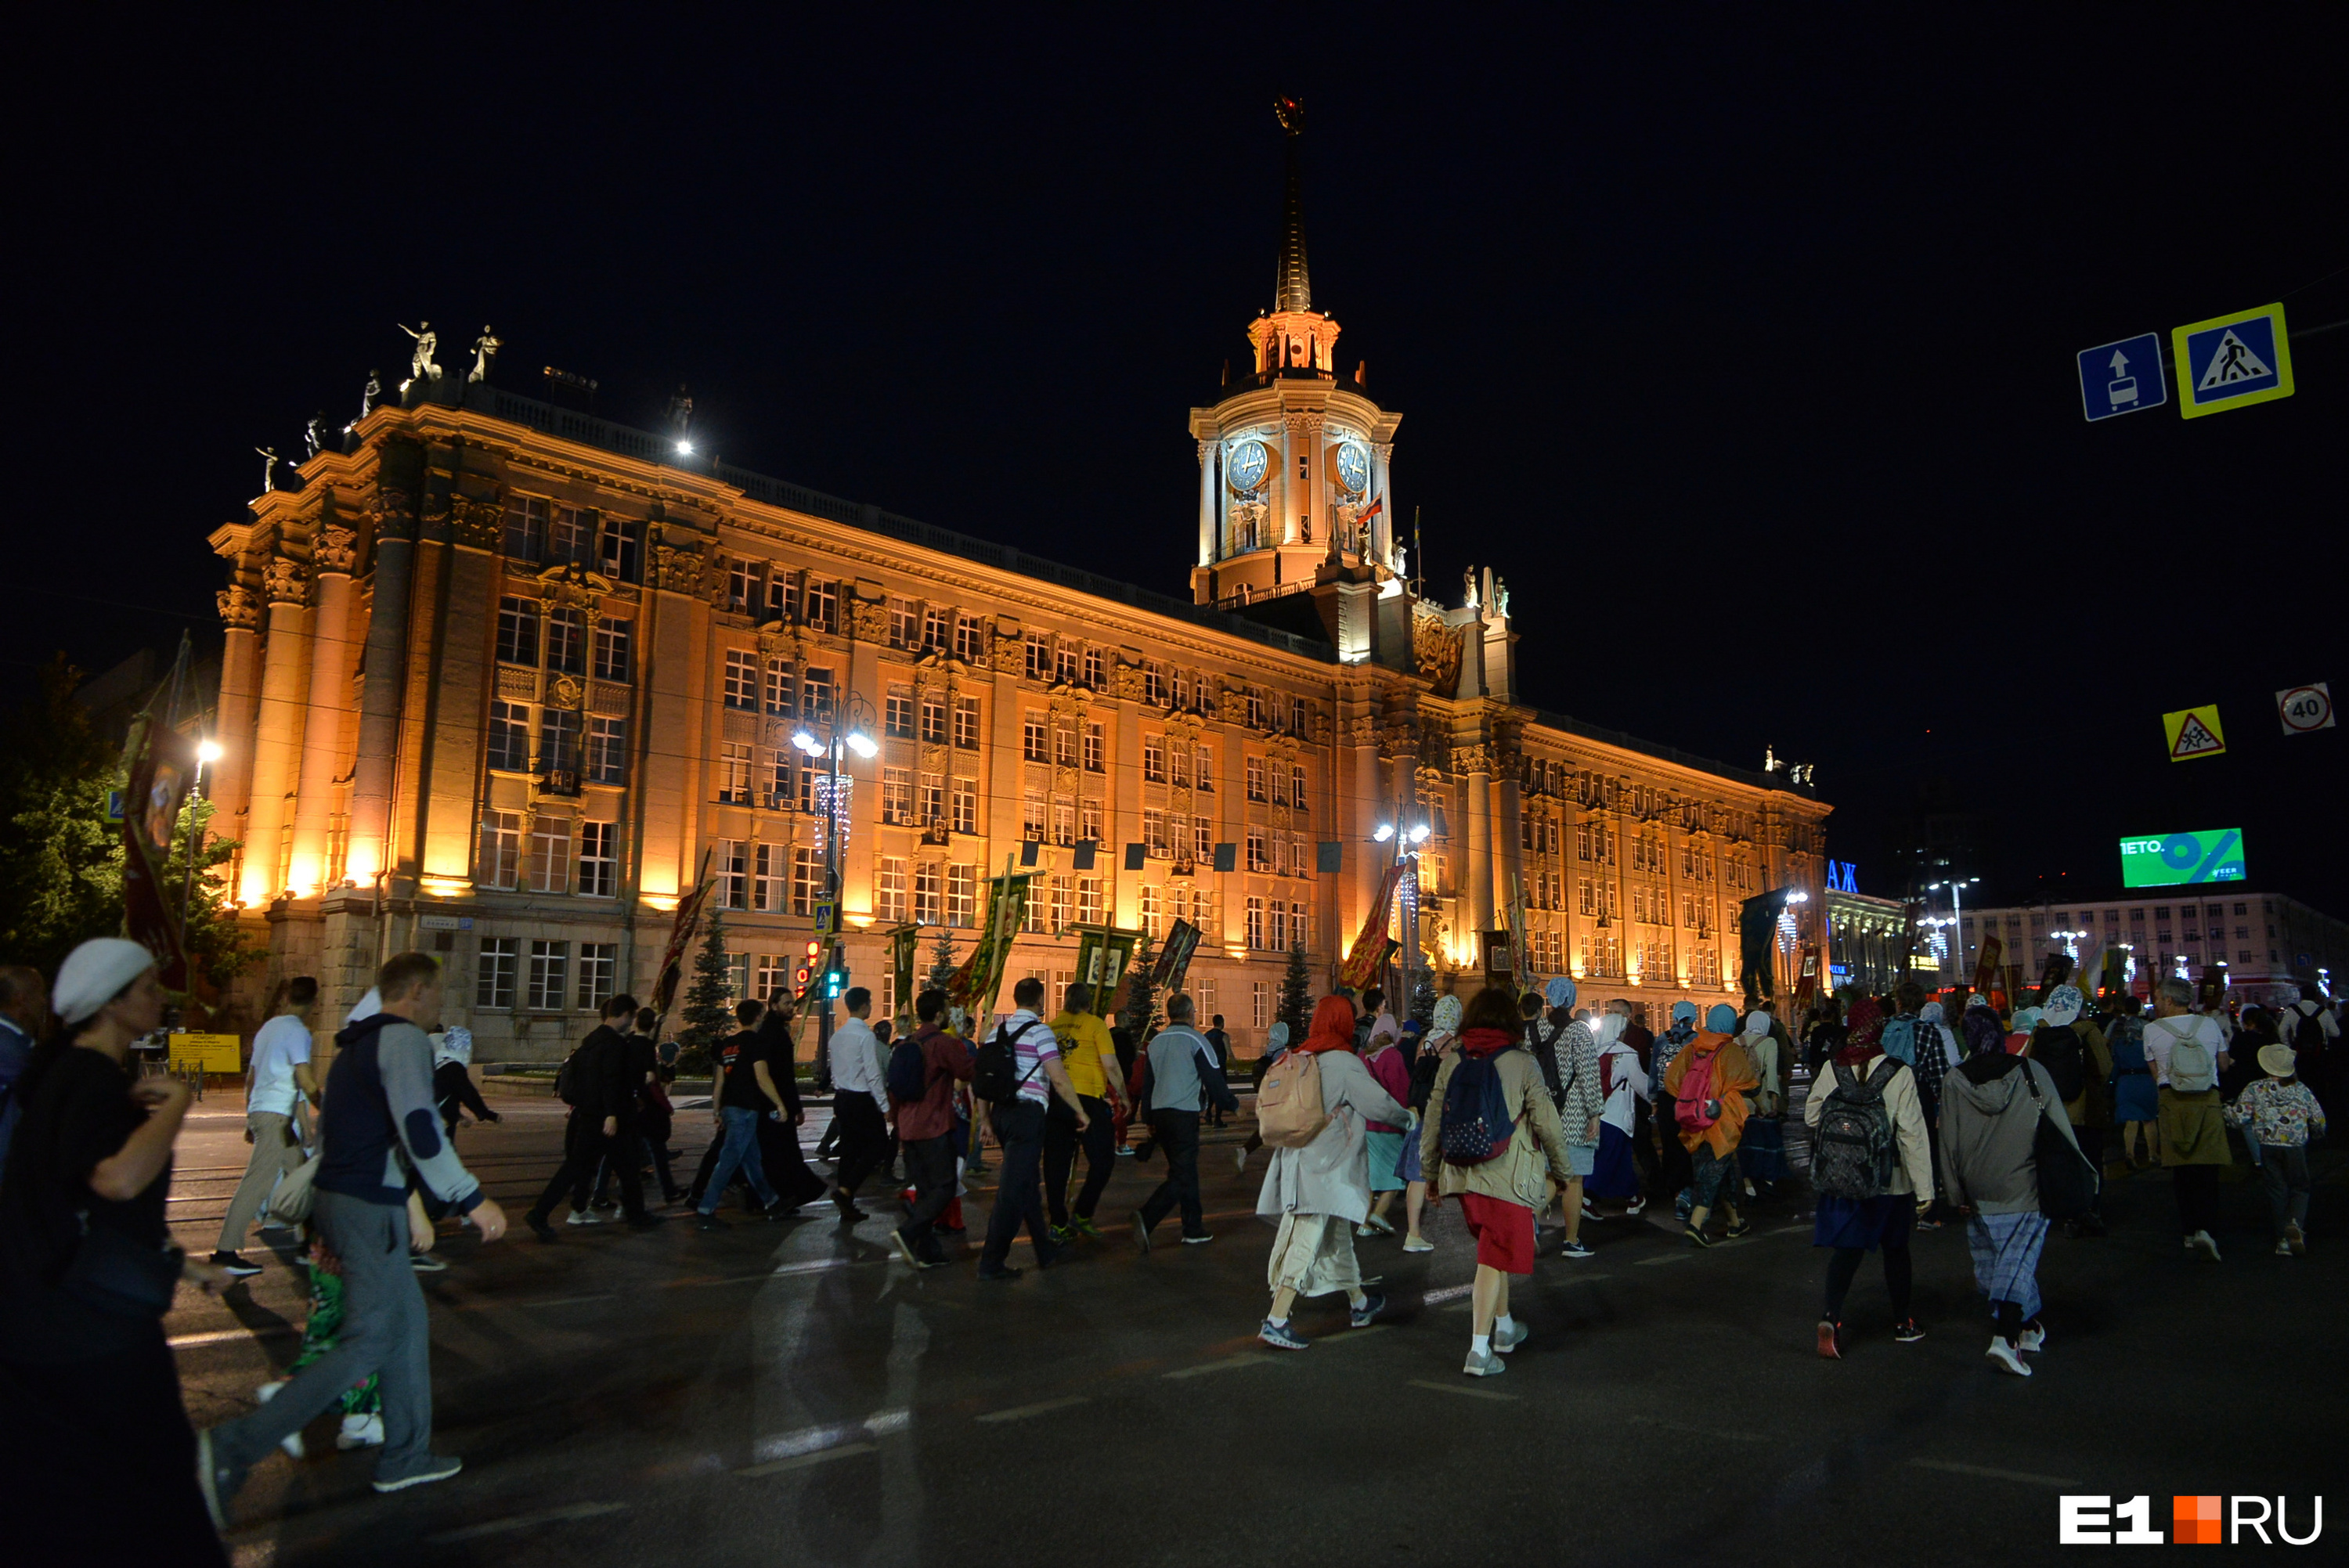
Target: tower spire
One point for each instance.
(1292, 288)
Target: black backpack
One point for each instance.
(2067, 1179)
(2307, 1031)
(1852, 1153)
(1544, 1049)
(992, 1076)
(2056, 1047)
(909, 1075)
(567, 1085)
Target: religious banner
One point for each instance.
(901, 968)
(972, 987)
(160, 762)
(1366, 959)
(2116, 976)
(1103, 953)
(2051, 974)
(1176, 956)
(680, 937)
(1807, 990)
(1500, 959)
(1986, 967)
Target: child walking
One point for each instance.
(2279, 1115)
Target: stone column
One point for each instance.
(231, 777)
(285, 677)
(1208, 550)
(332, 555)
(383, 669)
(1480, 855)
(1382, 526)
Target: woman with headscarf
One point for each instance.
(1854, 1227)
(1571, 1043)
(1984, 1032)
(1443, 1037)
(1937, 1053)
(1499, 1195)
(1709, 1082)
(1382, 1054)
(91, 1424)
(453, 1086)
(1275, 1044)
(1673, 1172)
(1622, 1084)
(1762, 1151)
(1319, 1193)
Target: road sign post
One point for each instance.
(2122, 377)
(2232, 361)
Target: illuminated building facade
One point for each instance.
(499, 674)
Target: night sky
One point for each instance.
(1742, 348)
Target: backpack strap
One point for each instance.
(1883, 1073)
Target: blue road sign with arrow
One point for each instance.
(2122, 377)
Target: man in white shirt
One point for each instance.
(280, 1076)
(860, 1077)
(1037, 1068)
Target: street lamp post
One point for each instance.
(844, 730)
(1957, 913)
(1406, 838)
(207, 751)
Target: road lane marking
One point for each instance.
(222, 1335)
(1456, 1388)
(524, 1522)
(809, 1440)
(1662, 1258)
(1449, 1292)
(1953, 1467)
(800, 1462)
(1226, 1365)
(1021, 1412)
(554, 1300)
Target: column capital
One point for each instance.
(284, 582)
(335, 550)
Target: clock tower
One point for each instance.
(1293, 460)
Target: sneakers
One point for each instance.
(1417, 1244)
(587, 1217)
(1632, 1210)
(360, 1432)
(436, 1467)
(1365, 1314)
(1141, 1231)
(1505, 1343)
(1376, 1224)
(702, 1221)
(217, 1480)
(606, 1206)
(2034, 1338)
(1577, 1248)
(2293, 1239)
(1201, 1240)
(1085, 1226)
(1485, 1366)
(1590, 1214)
(1062, 1234)
(646, 1219)
(1280, 1335)
(1908, 1332)
(2006, 1359)
(1738, 1227)
(1696, 1237)
(292, 1441)
(2200, 1242)
(425, 1262)
(1239, 1163)
(1830, 1339)
(999, 1276)
(539, 1227)
(236, 1265)
(905, 1249)
(2283, 1249)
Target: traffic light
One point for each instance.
(807, 968)
(835, 979)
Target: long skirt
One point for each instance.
(1763, 1149)
(1386, 1160)
(1313, 1255)
(2006, 1256)
(1613, 1174)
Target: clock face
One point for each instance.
(1352, 463)
(1246, 465)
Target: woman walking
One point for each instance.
(1855, 1226)
(1573, 1045)
(1498, 1196)
(1319, 1193)
(91, 1424)
(1762, 1151)
(2134, 1103)
(1991, 1110)
(1622, 1084)
(1673, 1172)
(1433, 1051)
(1709, 1082)
(1385, 1140)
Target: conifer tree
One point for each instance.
(1296, 995)
(708, 1000)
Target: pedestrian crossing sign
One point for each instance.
(2231, 361)
(2194, 732)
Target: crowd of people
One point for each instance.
(1519, 1107)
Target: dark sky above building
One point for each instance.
(1741, 343)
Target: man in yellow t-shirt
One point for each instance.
(1090, 1057)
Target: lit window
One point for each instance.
(500, 858)
(741, 689)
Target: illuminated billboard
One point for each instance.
(2174, 858)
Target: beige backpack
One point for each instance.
(1289, 1113)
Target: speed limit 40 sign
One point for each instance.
(2303, 709)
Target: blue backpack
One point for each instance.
(1901, 1040)
(909, 1078)
(1477, 1121)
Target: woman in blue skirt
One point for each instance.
(1854, 1227)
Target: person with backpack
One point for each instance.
(1872, 1164)
(2312, 1030)
(924, 1068)
(2187, 1054)
(1762, 1148)
(1018, 1072)
(1492, 1137)
(2279, 1116)
(379, 1138)
(1384, 1054)
(2134, 1103)
(1673, 1175)
(1316, 1110)
(2002, 1116)
(1442, 1038)
(1566, 1052)
(1090, 1057)
(1183, 1081)
(2068, 1044)
(602, 1125)
(1709, 1082)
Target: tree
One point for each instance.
(942, 962)
(1297, 994)
(708, 1001)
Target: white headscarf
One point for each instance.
(94, 974)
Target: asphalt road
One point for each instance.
(790, 1394)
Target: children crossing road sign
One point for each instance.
(2194, 732)
(2232, 361)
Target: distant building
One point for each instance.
(2263, 944)
(1868, 943)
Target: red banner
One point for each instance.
(1986, 967)
(160, 762)
(680, 937)
(1366, 959)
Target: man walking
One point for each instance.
(1182, 1078)
(2187, 1054)
(860, 1071)
(378, 1126)
(602, 1126)
(1037, 1073)
(1221, 1042)
(926, 1131)
(746, 1096)
(280, 1076)
(1091, 1058)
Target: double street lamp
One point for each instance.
(843, 723)
(1406, 838)
(1956, 887)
